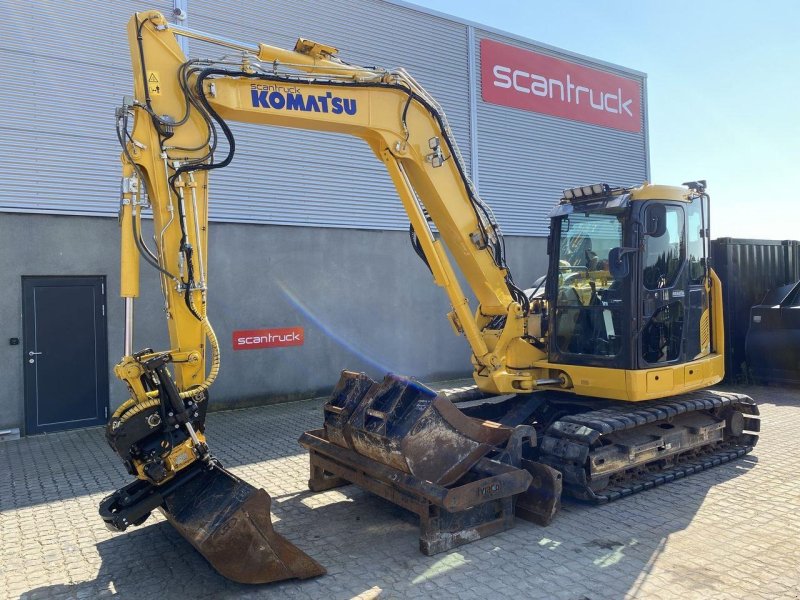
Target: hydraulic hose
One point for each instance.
(215, 361)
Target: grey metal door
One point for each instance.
(65, 350)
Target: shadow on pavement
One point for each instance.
(368, 544)
(77, 463)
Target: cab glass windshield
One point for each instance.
(586, 240)
(588, 316)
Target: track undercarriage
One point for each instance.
(625, 448)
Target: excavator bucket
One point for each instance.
(226, 519)
(229, 523)
(463, 474)
(403, 424)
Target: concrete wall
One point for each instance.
(364, 298)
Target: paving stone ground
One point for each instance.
(731, 532)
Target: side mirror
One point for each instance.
(655, 220)
(618, 264)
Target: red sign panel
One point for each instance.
(523, 79)
(252, 339)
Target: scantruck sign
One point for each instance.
(253, 339)
(531, 81)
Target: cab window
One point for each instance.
(589, 298)
(695, 241)
(664, 255)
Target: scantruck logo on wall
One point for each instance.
(531, 81)
(253, 339)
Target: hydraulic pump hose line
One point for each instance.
(145, 252)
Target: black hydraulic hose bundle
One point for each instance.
(186, 248)
(494, 241)
(145, 252)
(165, 129)
(496, 246)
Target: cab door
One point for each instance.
(663, 286)
(698, 329)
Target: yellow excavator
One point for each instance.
(593, 382)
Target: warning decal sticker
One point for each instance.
(153, 84)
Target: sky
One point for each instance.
(723, 91)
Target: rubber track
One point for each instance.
(568, 442)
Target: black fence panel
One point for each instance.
(748, 270)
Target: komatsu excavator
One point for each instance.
(595, 380)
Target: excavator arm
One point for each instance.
(174, 132)
(181, 109)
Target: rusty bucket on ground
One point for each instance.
(403, 424)
(226, 519)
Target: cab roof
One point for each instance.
(647, 191)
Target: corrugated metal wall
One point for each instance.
(65, 69)
(59, 153)
(526, 159)
(296, 177)
(748, 269)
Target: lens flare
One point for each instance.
(369, 357)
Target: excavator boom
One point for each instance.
(181, 109)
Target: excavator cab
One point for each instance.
(630, 297)
(628, 284)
